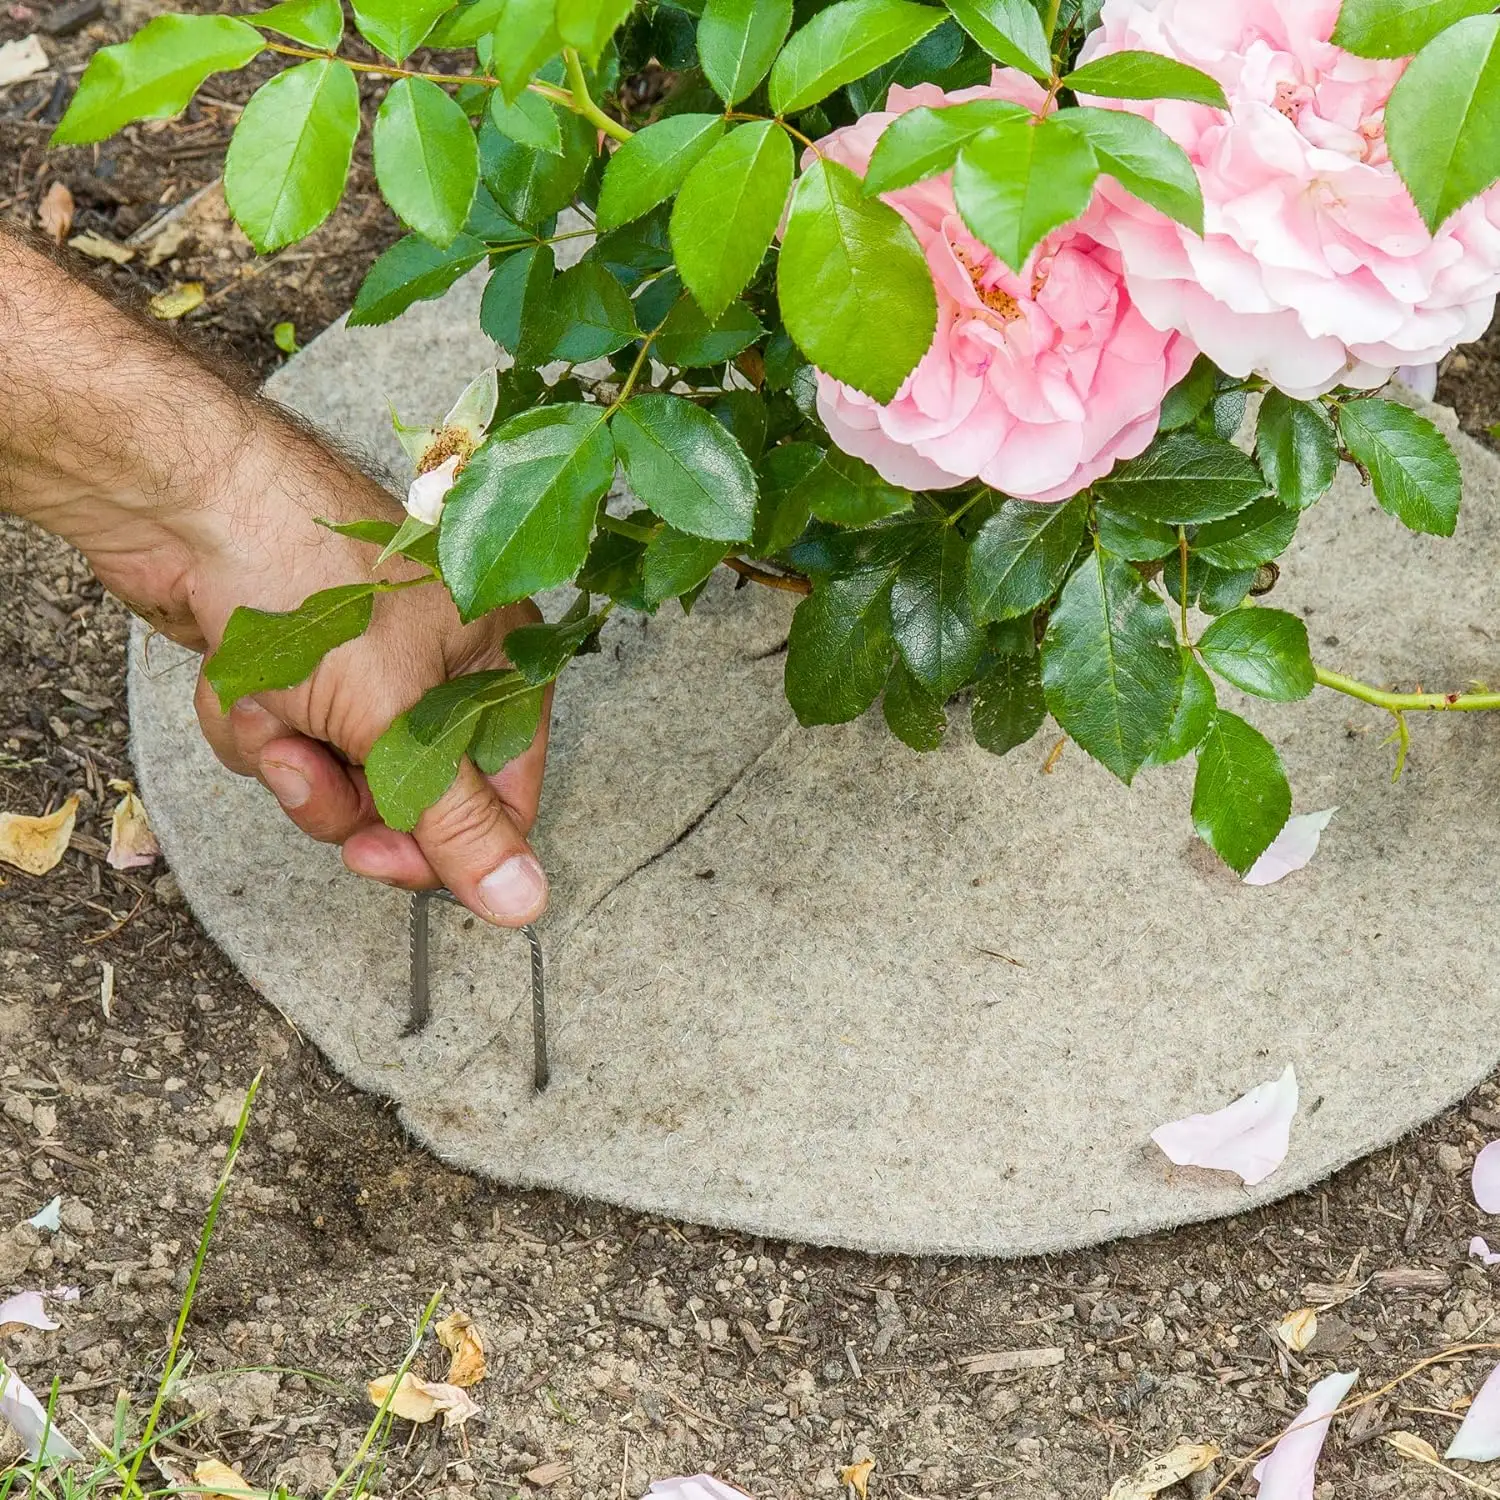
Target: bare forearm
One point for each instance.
(116, 439)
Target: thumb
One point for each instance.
(470, 840)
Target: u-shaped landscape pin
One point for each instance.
(421, 987)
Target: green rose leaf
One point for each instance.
(1414, 471)
(1021, 556)
(1195, 716)
(443, 708)
(1189, 398)
(289, 157)
(315, 23)
(506, 730)
(1222, 590)
(1133, 539)
(1019, 181)
(1442, 123)
(1184, 479)
(1145, 75)
(1009, 704)
(846, 491)
(651, 166)
(530, 121)
(514, 296)
(855, 290)
(1248, 538)
(520, 516)
(676, 563)
(686, 467)
(615, 566)
(785, 505)
(154, 75)
(1297, 449)
(412, 270)
(540, 652)
(687, 340)
(1399, 28)
(466, 23)
(1111, 665)
(844, 42)
(924, 142)
(426, 159)
(931, 616)
(397, 27)
(264, 652)
(1261, 651)
(533, 185)
(840, 647)
(524, 34)
(1143, 159)
(584, 315)
(738, 41)
(727, 213)
(912, 714)
(588, 25)
(1010, 31)
(1241, 799)
(406, 777)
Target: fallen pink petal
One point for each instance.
(27, 1308)
(1287, 1471)
(1250, 1137)
(27, 1418)
(1479, 1249)
(1478, 1439)
(1486, 1178)
(1420, 380)
(696, 1487)
(1292, 849)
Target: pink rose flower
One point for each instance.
(1316, 269)
(1036, 384)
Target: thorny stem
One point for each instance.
(796, 135)
(1402, 703)
(583, 101)
(622, 527)
(788, 583)
(1182, 581)
(635, 372)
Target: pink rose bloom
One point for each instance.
(1037, 384)
(1316, 269)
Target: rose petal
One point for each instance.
(1292, 849)
(1486, 1178)
(1249, 1137)
(1420, 380)
(1480, 1250)
(48, 1218)
(475, 409)
(1286, 1472)
(27, 1308)
(27, 1417)
(425, 496)
(1478, 1439)
(696, 1487)
(132, 845)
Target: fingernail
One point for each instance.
(289, 786)
(515, 892)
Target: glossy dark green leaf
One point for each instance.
(1010, 31)
(1133, 539)
(925, 142)
(1261, 651)
(533, 185)
(506, 730)
(1111, 665)
(846, 491)
(840, 648)
(287, 162)
(844, 42)
(911, 713)
(443, 708)
(744, 414)
(1255, 535)
(1241, 799)
(676, 563)
(1188, 399)
(264, 652)
(651, 166)
(727, 213)
(1414, 471)
(1143, 159)
(1297, 449)
(585, 314)
(1021, 556)
(540, 652)
(615, 567)
(855, 290)
(520, 516)
(738, 41)
(687, 339)
(426, 159)
(155, 74)
(686, 467)
(1009, 705)
(1184, 478)
(1195, 715)
(785, 504)
(412, 270)
(514, 297)
(1019, 181)
(1399, 28)
(1145, 75)
(931, 616)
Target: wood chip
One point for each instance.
(1413, 1281)
(1007, 1360)
(22, 60)
(54, 214)
(96, 247)
(545, 1474)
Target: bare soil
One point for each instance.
(623, 1348)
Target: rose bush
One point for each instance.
(943, 319)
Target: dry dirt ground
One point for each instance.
(623, 1348)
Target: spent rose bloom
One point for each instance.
(1038, 383)
(441, 452)
(1316, 269)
